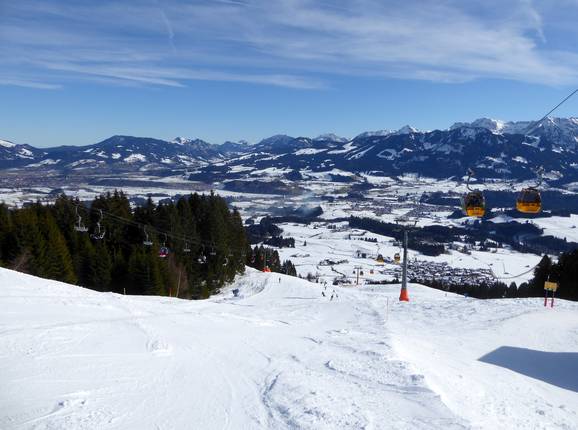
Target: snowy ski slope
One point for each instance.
(282, 356)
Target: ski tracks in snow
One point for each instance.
(342, 373)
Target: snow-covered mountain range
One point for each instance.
(493, 148)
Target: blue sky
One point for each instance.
(76, 72)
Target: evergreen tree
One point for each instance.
(541, 274)
(207, 241)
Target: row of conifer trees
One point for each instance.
(206, 242)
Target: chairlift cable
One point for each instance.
(534, 124)
(515, 276)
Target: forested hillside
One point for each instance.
(189, 248)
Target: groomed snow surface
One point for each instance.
(282, 356)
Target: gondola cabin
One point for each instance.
(474, 204)
(163, 252)
(396, 257)
(529, 201)
(379, 259)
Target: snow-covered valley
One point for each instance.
(283, 356)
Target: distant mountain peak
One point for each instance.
(496, 126)
(181, 140)
(561, 127)
(332, 137)
(407, 129)
(376, 133)
(277, 139)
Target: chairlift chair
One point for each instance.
(529, 200)
(164, 250)
(99, 231)
(80, 227)
(473, 202)
(202, 258)
(147, 241)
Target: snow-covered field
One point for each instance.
(283, 356)
(315, 243)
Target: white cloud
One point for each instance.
(291, 43)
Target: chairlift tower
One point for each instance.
(357, 271)
(405, 225)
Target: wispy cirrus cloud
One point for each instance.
(290, 43)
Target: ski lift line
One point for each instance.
(533, 125)
(516, 276)
(500, 278)
(149, 228)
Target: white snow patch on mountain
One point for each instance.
(309, 151)
(270, 171)
(346, 148)
(388, 154)
(520, 159)
(134, 158)
(361, 153)
(240, 168)
(46, 162)
(83, 162)
(7, 144)
(25, 153)
(378, 133)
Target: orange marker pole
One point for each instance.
(403, 295)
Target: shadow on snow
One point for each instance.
(556, 368)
